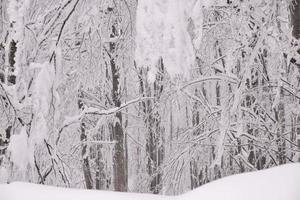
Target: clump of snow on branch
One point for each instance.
(22, 145)
(162, 32)
(42, 98)
(20, 150)
(3, 175)
(16, 9)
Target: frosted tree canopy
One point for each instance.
(171, 30)
(149, 96)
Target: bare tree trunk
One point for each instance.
(295, 23)
(280, 118)
(84, 152)
(6, 78)
(194, 163)
(100, 173)
(119, 157)
(295, 18)
(154, 139)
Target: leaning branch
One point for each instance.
(63, 26)
(96, 111)
(212, 78)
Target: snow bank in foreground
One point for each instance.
(281, 183)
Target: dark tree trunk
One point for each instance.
(119, 157)
(295, 18)
(84, 153)
(295, 23)
(195, 171)
(85, 156)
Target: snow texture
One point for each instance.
(42, 99)
(162, 32)
(21, 146)
(280, 183)
(20, 150)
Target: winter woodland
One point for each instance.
(153, 96)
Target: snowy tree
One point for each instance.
(156, 96)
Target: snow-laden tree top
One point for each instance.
(168, 29)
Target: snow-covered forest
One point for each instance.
(157, 96)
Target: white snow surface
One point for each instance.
(279, 183)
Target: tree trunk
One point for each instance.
(84, 153)
(154, 139)
(295, 18)
(280, 118)
(194, 163)
(100, 173)
(119, 157)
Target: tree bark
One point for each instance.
(119, 157)
(154, 139)
(100, 175)
(295, 18)
(84, 153)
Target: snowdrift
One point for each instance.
(279, 183)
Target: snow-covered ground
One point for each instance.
(279, 183)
